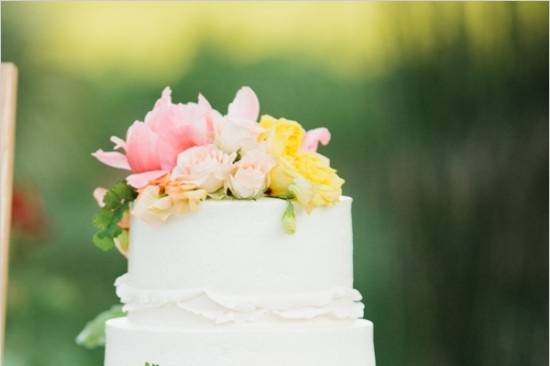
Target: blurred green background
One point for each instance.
(439, 114)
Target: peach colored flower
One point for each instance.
(156, 203)
(184, 196)
(152, 206)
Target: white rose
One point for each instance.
(250, 178)
(233, 134)
(238, 130)
(204, 166)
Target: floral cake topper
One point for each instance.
(182, 154)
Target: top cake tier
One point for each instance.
(240, 247)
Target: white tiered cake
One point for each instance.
(226, 285)
(240, 249)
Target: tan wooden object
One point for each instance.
(8, 96)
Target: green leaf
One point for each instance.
(116, 202)
(113, 230)
(102, 219)
(93, 334)
(289, 218)
(119, 192)
(287, 196)
(102, 241)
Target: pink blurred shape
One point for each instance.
(314, 137)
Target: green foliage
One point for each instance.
(289, 218)
(115, 203)
(151, 364)
(93, 334)
(288, 196)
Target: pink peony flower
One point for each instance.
(314, 137)
(239, 129)
(151, 147)
(250, 179)
(205, 167)
(181, 125)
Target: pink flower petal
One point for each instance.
(314, 137)
(245, 105)
(171, 122)
(162, 113)
(165, 97)
(203, 103)
(142, 148)
(119, 143)
(168, 154)
(196, 126)
(112, 158)
(140, 180)
(179, 127)
(99, 194)
(210, 115)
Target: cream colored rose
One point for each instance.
(205, 167)
(152, 207)
(250, 177)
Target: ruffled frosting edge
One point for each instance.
(335, 303)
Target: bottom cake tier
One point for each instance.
(133, 345)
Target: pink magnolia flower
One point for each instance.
(151, 147)
(250, 178)
(314, 137)
(239, 129)
(205, 167)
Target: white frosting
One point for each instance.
(226, 285)
(239, 247)
(349, 345)
(335, 303)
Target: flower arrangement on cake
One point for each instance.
(228, 265)
(182, 154)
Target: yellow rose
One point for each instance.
(309, 177)
(306, 174)
(283, 137)
(317, 183)
(282, 176)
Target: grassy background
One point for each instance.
(439, 114)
